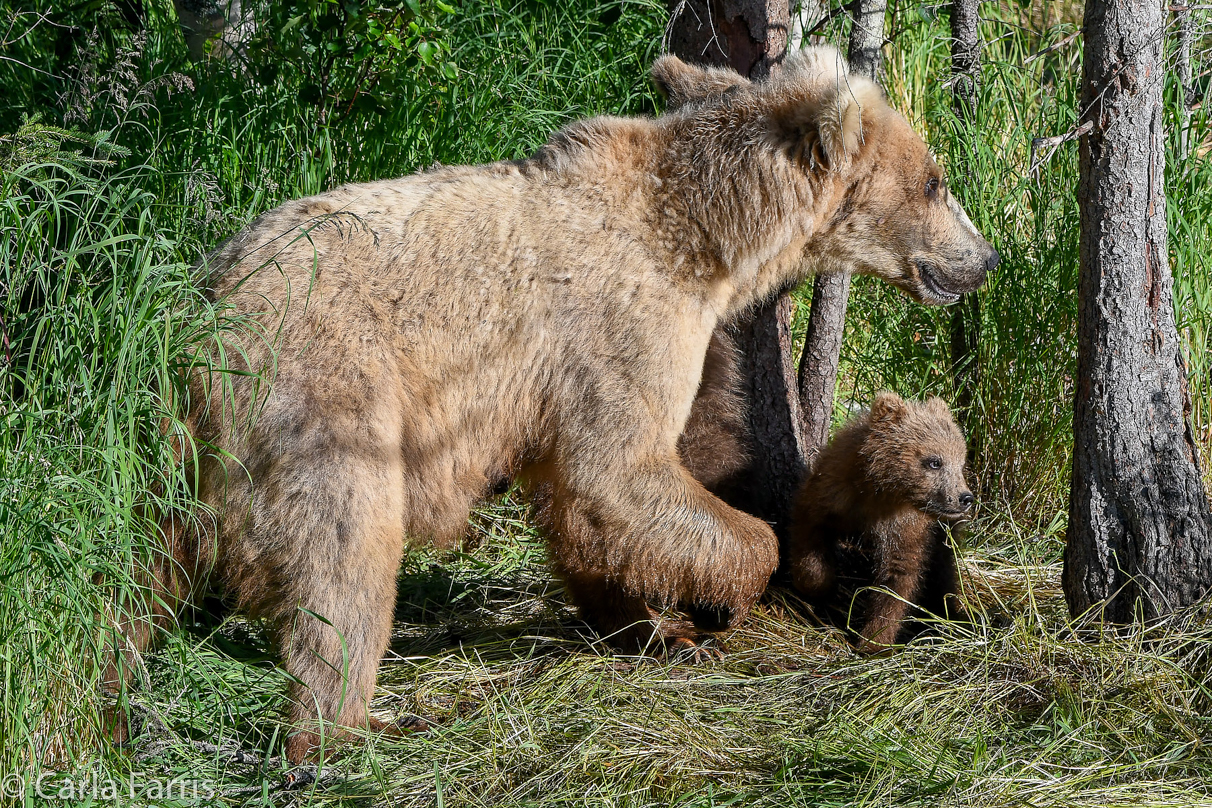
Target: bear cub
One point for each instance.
(868, 528)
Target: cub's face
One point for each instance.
(916, 451)
(907, 227)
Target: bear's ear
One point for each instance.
(844, 114)
(888, 408)
(682, 84)
(828, 118)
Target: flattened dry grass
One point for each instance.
(527, 707)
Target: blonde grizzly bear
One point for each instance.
(421, 339)
(872, 514)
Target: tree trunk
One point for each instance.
(867, 38)
(966, 317)
(827, 317)
(804, 15)
(820, 359)
(775, 418)
(1140, 532)
(751, 37)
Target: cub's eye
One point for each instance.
(932, 187)
(934, 463)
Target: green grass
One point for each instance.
(141, 161)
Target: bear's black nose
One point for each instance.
(966, 499)
(991, 261)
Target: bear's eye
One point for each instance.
(932, 462)
(932, 188)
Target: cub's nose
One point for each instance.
(966, 499)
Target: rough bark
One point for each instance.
(751, 37)
(775, 417)
(1140, 538)
(966, 317)
(827, 317)
(820, 359)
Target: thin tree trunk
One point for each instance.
(804, 15)
(821, 357)
(751, 37)
(966, 317)
(1140, 532)
(867, 38)
(827, 317)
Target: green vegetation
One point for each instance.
(122, 161)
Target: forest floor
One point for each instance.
(526, 706)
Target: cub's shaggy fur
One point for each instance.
(422, 339)
(872, 514)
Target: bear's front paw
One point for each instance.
(695, 651)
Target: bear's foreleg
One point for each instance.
(653, 532)
(886, 614)
(902, 554)
(940, 595)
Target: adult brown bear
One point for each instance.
(424, 338)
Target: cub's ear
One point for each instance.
(937, 407)
(888, 408)
(682, 84)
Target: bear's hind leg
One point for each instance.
(811, 561)
(628, 622)
(333, 536)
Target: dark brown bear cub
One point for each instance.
(868, 525)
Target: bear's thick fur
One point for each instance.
(422, 339)
(872, 513)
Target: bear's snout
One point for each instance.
(992, 261)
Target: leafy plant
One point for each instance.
(350, 56)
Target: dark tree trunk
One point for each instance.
(1139, 542)
(966, 317)
(775, 417)
(827, 317)
(751, 37)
